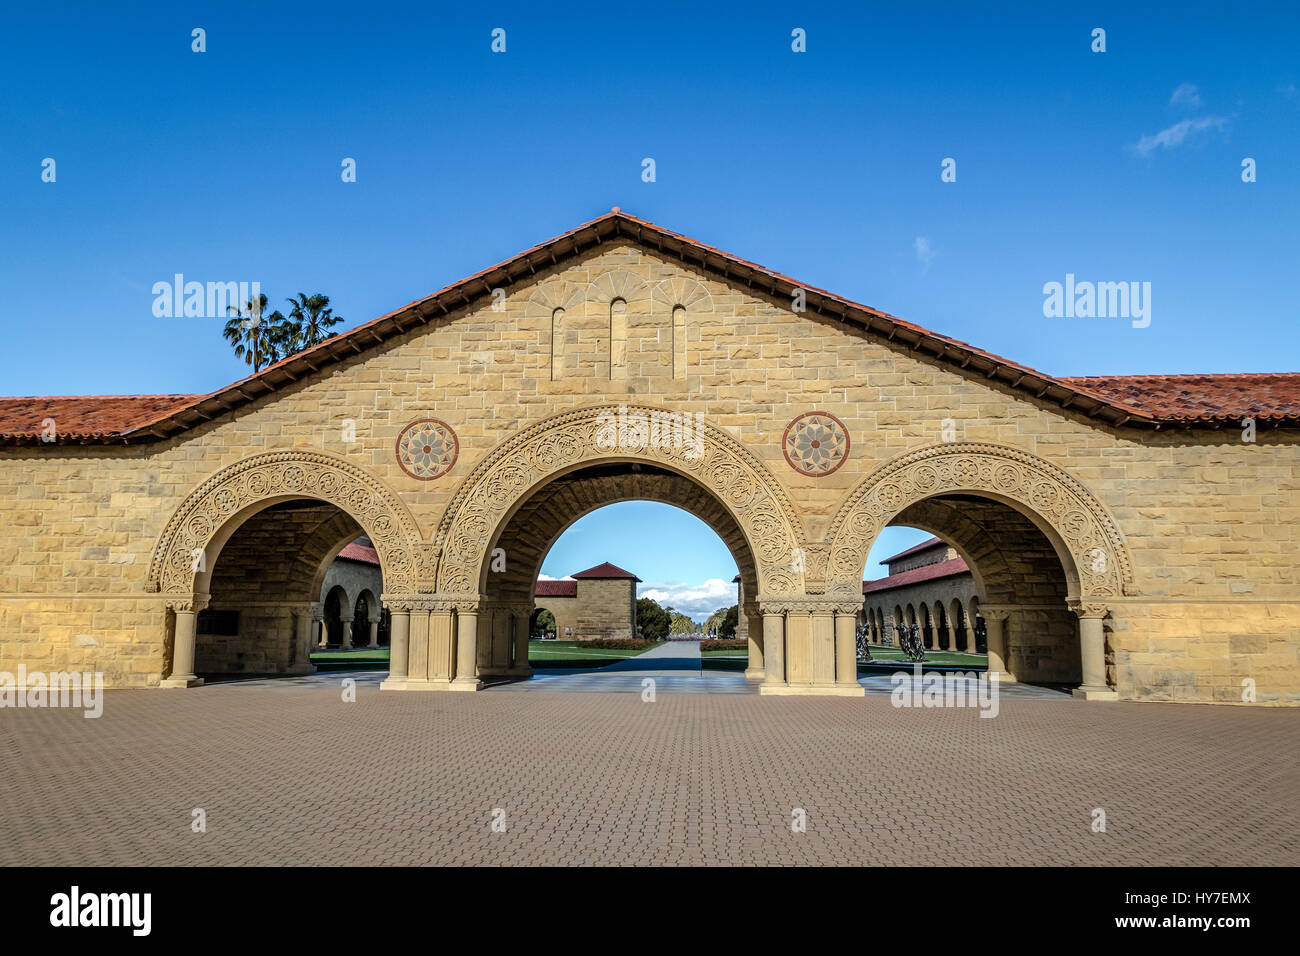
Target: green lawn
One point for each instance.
(892, 654)
(577, 651)
(889, 654)
(356, 654)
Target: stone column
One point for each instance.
(324, 631)
(1092, 650)
(756, 669)
(302, 638)
(496, 628)
(846, 651)
(345, 639)
(374, 631)
(399, 629)
(520, 614)
(773, 645)
(186, 610)
(821, 645)
(995, 618)
(467, 648)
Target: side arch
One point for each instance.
(218, 506)
(1087, 539)
(505, 477)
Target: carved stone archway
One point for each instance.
(210, 511)
(1086, 537)
(503, 480)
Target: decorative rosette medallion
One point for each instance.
(815, 444)
(427, 449)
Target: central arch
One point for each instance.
(451, 629)
(677, 442)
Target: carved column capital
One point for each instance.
(996, 612)
(189, 602)
(1089, 609)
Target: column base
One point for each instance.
(465, 683)
(524, 671)
(493, 671)
(181, 682)
(414, 683)
(1002, 676)
(1095, 693)
(755, 673)
(812, 690)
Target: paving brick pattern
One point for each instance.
(290, 774)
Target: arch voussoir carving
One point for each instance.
(1095, 543)
(707, 454)
(381, 514)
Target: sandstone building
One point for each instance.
(1133, 535)
(928, 585)
(599, 603)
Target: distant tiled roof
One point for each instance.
(1136, 401)
(556, 589)
(925, 545)
(1219, 398)
(927, 572)
(605, 571)
(359, 552)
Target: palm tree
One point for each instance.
(310, 318)
(256, 336)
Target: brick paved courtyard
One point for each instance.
(290, 774)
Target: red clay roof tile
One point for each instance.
(927, 572)
(555, 589)
(605, 572)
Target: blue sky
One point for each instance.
(225, 165)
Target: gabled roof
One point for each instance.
(605, 572)
(555, 589)
(925, 545)
(926, 572)
(363, 554)
(1181, 400)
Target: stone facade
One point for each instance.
(929, 586)
(596, 604)
(1157, 562)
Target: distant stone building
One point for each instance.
(597, 603)
(929, 585)
(348, 615)
(351, 612)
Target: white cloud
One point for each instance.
(1187, 96)
(1177, 134)
(547, 577)
(697, 601)
(925, 251)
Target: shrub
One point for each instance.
(619, 644)
(724, 645)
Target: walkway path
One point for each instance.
(670, 659)
(609, 778)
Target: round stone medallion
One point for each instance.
(427, 449)
(815, 444)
